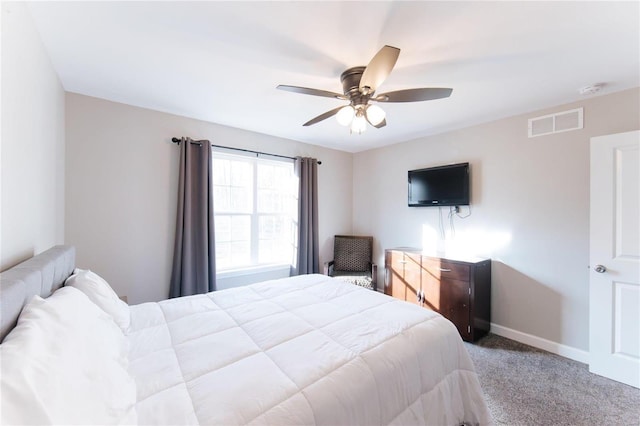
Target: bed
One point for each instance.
(301, 350)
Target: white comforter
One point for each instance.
(302, 350)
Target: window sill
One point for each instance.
(252, 270)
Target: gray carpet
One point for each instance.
(527, 386)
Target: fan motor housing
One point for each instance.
(351, 80)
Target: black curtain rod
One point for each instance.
(178, 140)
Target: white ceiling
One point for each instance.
(221, 61)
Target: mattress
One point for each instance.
(301, 350)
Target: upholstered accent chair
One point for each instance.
(352, 261)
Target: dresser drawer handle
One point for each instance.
(444, 270)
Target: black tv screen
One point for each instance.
(439, 186)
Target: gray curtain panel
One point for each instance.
(308, 258)
(194, 257)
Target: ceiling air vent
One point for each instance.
(556, 123)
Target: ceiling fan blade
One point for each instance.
(415, 95)
(380, 125)
(378, 69)
(308, 91)
(323, 116)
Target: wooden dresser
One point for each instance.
(459, 289)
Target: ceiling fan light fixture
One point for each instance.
(359, 85)
(345, 115)
(375, 114)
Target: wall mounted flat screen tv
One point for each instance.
(439, 186)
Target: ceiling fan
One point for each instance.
(359, 85)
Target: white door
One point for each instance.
(614, 297)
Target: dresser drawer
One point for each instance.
(442, 269)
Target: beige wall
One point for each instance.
(33, 140)
(530, 211)
(121, 182)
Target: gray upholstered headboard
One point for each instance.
(41, 275)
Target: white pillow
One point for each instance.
(66, 363)
(101, 293)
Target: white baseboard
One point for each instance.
(540, 343)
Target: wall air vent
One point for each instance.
(556, 123)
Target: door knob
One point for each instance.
(601, 269)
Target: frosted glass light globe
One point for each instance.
(359, 124)
(375, 114)
(345, 115)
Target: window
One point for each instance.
(256, 208)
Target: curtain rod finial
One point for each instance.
(175, 140)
